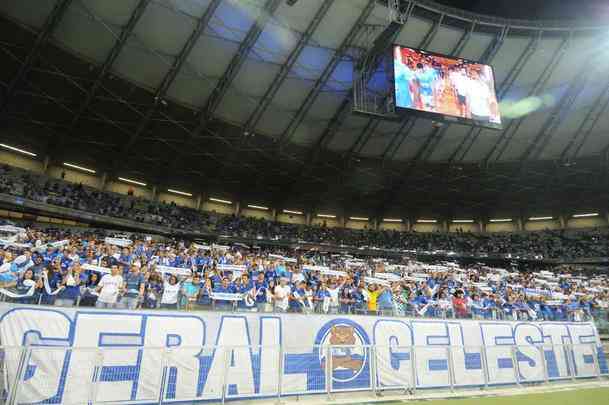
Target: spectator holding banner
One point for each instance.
(109, 288)
(226, 287)
(71, 281)
(171, 292)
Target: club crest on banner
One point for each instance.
(349, 362)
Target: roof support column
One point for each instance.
(563, 221)
(45, 164)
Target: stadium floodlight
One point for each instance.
(326, 216)
(257, 207)
(463, 221)
(219, 200)
(14, 149)
(292, 212)
(502, 220)
(540, 218)
(358, 219)
(184, 193)
(427, 221)
(592, 214)
(139, 183)
(84, 169)
(392, 220)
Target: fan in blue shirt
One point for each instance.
(226, 287)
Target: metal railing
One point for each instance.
(72, 375)
(600, 316)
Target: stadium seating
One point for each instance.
(65, 268)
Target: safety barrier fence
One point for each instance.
(157, 375)
(600, 316)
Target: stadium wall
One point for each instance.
(501, 227)
(120, 356)
(123, 188)
(457, 227)
(393, 226)
(592, 222)
(20, 161)
(329, 222)
(177, 199)
(358, 224)
(427, 227)
(292, 219)
(255, 213)
(541, 225)
(220, 208)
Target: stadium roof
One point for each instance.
(253, 98)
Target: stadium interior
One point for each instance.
(323, 164)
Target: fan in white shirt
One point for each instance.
(109, 288)
(281, 294)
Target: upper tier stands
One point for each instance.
(562, 244)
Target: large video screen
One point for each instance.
(449, 87)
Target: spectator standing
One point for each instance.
(110, 286)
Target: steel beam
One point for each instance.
(438, 133)
(541, 82)
(286, 136)
(285, 69)
(170, 76)
(488, 56)
(404, 131)
(50, 24)
(505, 86)
(598, 110)
(507, 132)
(344, 110)
(216, 96)
(374, 122)
(108, 63)
(398, 139)
(558, 115)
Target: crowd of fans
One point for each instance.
(543, 244)
(77, 196)
(563, 244)
(67, 268)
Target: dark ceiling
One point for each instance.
(43, 110)
(536, 9)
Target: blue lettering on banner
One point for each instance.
(194, 366)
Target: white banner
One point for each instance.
(92, 267)
(388, 276)
(226, 297)
(12, 229)
(231, 267)
(375, 280)
(333, 273)
(29, 293)
(122, 242)
(309, 267)
(210, 350)
(176, 271)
